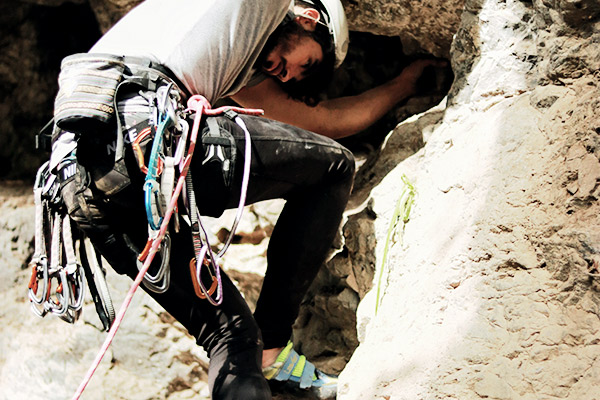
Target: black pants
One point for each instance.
(314, 175)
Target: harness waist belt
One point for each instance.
(88, 86)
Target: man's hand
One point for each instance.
(409, 77)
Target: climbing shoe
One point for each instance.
(296, 372)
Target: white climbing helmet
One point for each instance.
(335, 18)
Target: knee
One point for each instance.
(349, 163)
(238, 333)
(345, 167)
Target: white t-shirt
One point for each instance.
(210, 45)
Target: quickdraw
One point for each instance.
(159, 184)
(154, 202)
(39, 260)
(62, 290)
(202, 248)
(95, 274)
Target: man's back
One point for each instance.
(210, 45)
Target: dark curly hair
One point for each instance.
(310, 89)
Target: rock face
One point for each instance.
(490, 289)
(423, 26)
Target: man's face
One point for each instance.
(294, 55)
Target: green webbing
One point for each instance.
(401, 216)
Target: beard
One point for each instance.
(282, 39)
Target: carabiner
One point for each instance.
(38, 305)
(168, 107)
(39, 261)
(197, 287)
(41, 176)
(139, 154)
(61, 304)
(182, 143)
(77, 293)
(154, 203)
(210, 261)
(38, 267)
(158, 283)
(156, 149)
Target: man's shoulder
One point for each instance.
(274, 6)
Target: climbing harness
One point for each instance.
(87, 103)
(71, 191)
(199, 107)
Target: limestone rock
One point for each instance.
(423, 26)
(489, 290)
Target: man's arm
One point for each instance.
(336, 118)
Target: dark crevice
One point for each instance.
(33, 45)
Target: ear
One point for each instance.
(308, 18)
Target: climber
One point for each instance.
(268, 54)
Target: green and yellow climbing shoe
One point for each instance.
(290, 367)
